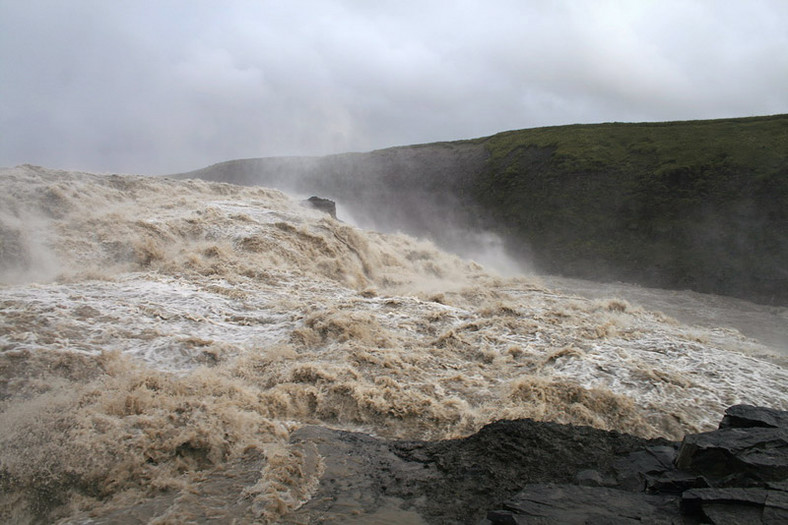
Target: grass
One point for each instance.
(757, 142)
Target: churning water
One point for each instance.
(154, 333)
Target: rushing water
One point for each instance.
(763, 323)
(155, 332)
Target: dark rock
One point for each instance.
(780, 485)
(590, 478)
(674, 482)
(736, 505)
(736, 474)
(776, 510)
(571, 504)
(737, 456)
(321, 204)
(634, 470)
(452, 481)
(747, 416)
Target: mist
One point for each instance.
(417, 191)
(423, 191)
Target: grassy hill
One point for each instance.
(701, 205)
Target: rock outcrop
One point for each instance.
(524, 471)
(321, 204)
(372, 480)
(735, 474)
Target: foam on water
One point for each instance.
(190, 326)
(166, 322)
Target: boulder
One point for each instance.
(321, 204)
(737, 456)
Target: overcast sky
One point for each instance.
(162, 86)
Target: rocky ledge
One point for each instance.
(524, 471)
(513, 472)
(735, 474)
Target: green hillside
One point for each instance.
(700, 204)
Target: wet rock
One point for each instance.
(737, 456)
(674, 482)
(321, 204)
(635, 470)
(736, 505)
(748, 416)
(590, 478)
(521, 471)
(362, 478)
(736, 474)
(571, 504)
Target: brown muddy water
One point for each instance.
(157, 335)
(765, 324)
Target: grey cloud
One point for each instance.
(152, 88)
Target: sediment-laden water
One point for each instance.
(154, 333)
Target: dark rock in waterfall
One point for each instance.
(591, 478)
(637, 470)
(321, 204)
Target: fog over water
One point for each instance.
(405, 190)
(158, 333)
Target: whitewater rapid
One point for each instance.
(153, 331)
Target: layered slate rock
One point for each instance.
(747, 416)
(737, 505)
(737, 456)
(735, 474)
(573, 504)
